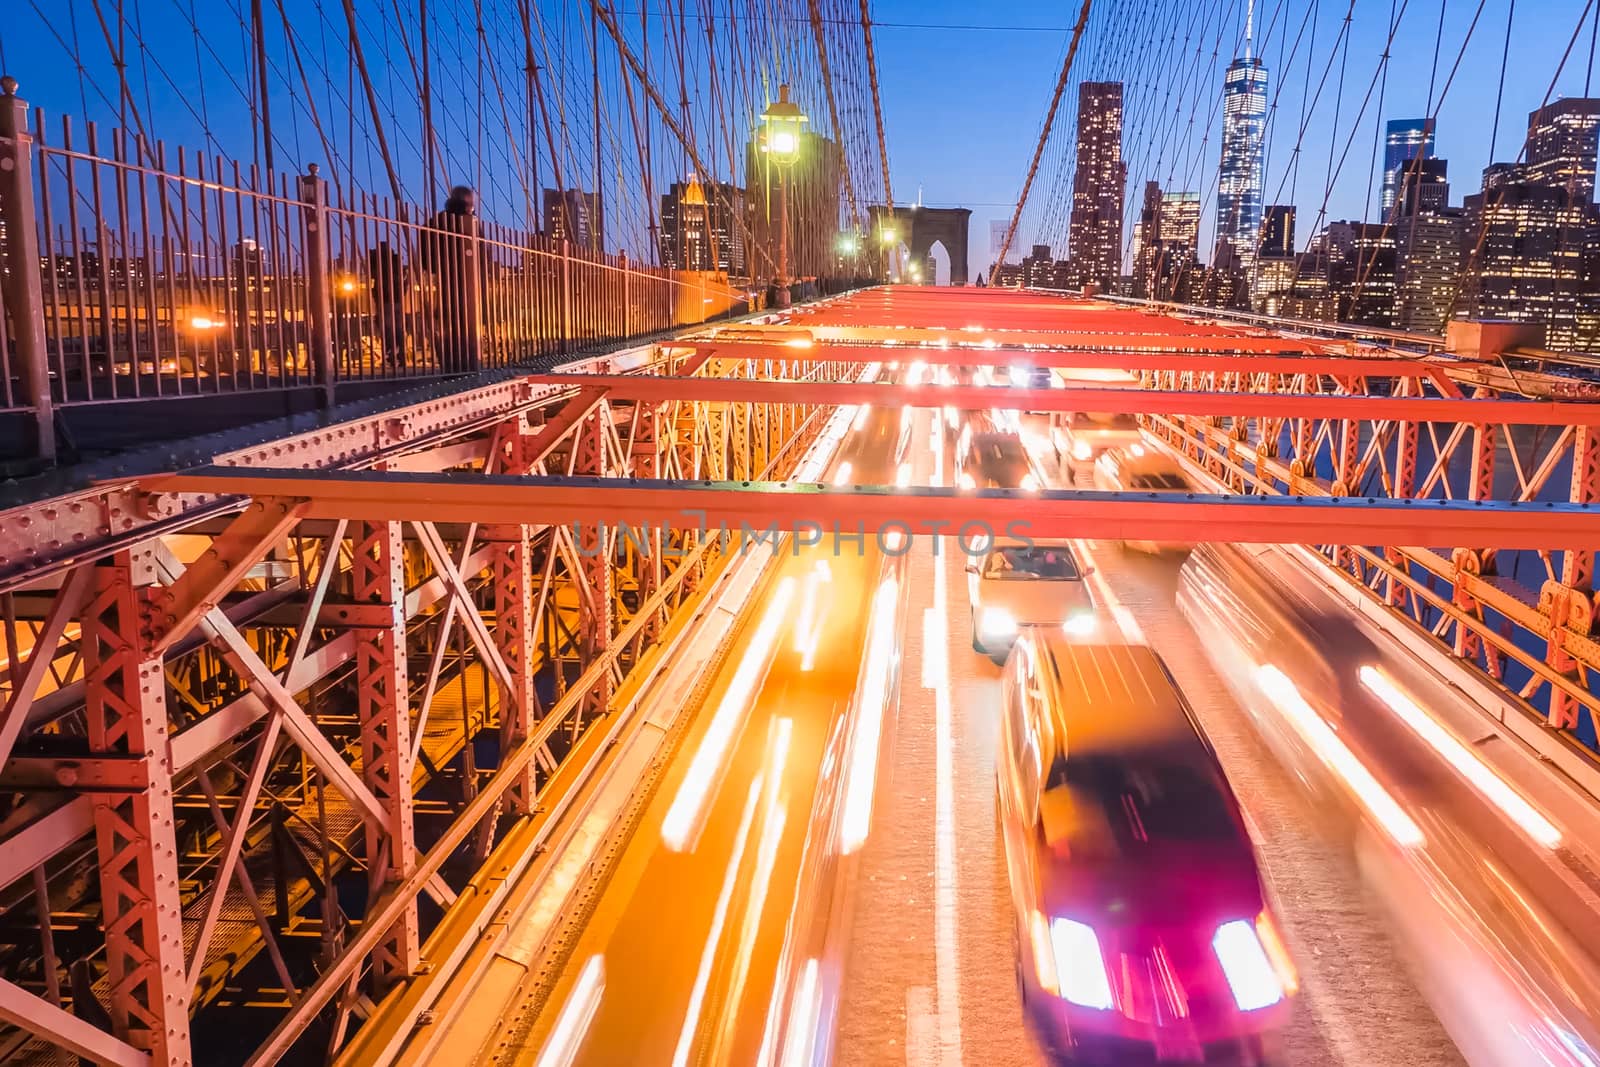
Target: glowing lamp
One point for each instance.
(782, 121)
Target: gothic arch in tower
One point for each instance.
(927, 226)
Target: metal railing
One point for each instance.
(133, 272)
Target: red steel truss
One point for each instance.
(227, 684)
(216, 711)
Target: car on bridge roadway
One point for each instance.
(1081, 437)
(994, 459)
(1141, 468)
(1144, 932)
(1017, 584)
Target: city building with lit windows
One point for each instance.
(1274, 272)
(1094, 239)
(1404, 141)
(1561, 147)
(814, 185)
(1361, 272)
(1166, 242)
(576, 216)
(1428, 237)
(1428, 257)
(1244, 120)
(1525, 259)
(1531, 232)
(702, 227)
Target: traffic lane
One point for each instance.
(1394, 714)
(1518, 897)
(1359, 1002)
(677, 930)
(992, 1017)
(1551, 861)
(930, 967)
(696, 942)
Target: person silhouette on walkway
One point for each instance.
(451, 253)
(388, 288)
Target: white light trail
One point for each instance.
(861, 777)
(572, 1025)
(1473, 769)
(1320, 736)
(719, 918)
(681, 827)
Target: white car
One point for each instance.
(1083, 436)
(1017, 584)
(1142, 469)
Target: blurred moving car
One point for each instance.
(1144, 933)
(994, 459)
(1081, 436)
(1018, 584)
(1027, 376)
(1142, 469)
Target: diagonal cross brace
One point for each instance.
(203, 584)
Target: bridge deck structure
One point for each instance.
(292, 730)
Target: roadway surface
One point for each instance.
(689, 929)
(937, 986)
(676, 964)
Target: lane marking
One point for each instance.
(922, 1028)
(936, 669)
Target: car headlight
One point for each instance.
(1080, 624)
(1251, 976)
(1030, 483)
(1082, 450)
(1080, 970)
(997, 622)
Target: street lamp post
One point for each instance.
(783, 120)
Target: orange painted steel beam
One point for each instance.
(409, 497)
(1088, 398)
(1073, 358)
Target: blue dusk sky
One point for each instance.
(965, 87)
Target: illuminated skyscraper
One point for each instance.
(1561, 147)
(1275, 266)
(1145, 233)
(1531, 232)
(1094, 242)
(1404, 140)
(577, 216)
(1244, 121)
(702, 227)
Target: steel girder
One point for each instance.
(226, 710)
(1409, 460)
(758, 506)
(1350, 405)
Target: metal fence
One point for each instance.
(134, 272)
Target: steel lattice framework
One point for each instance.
(246, 702)
(219, 711)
